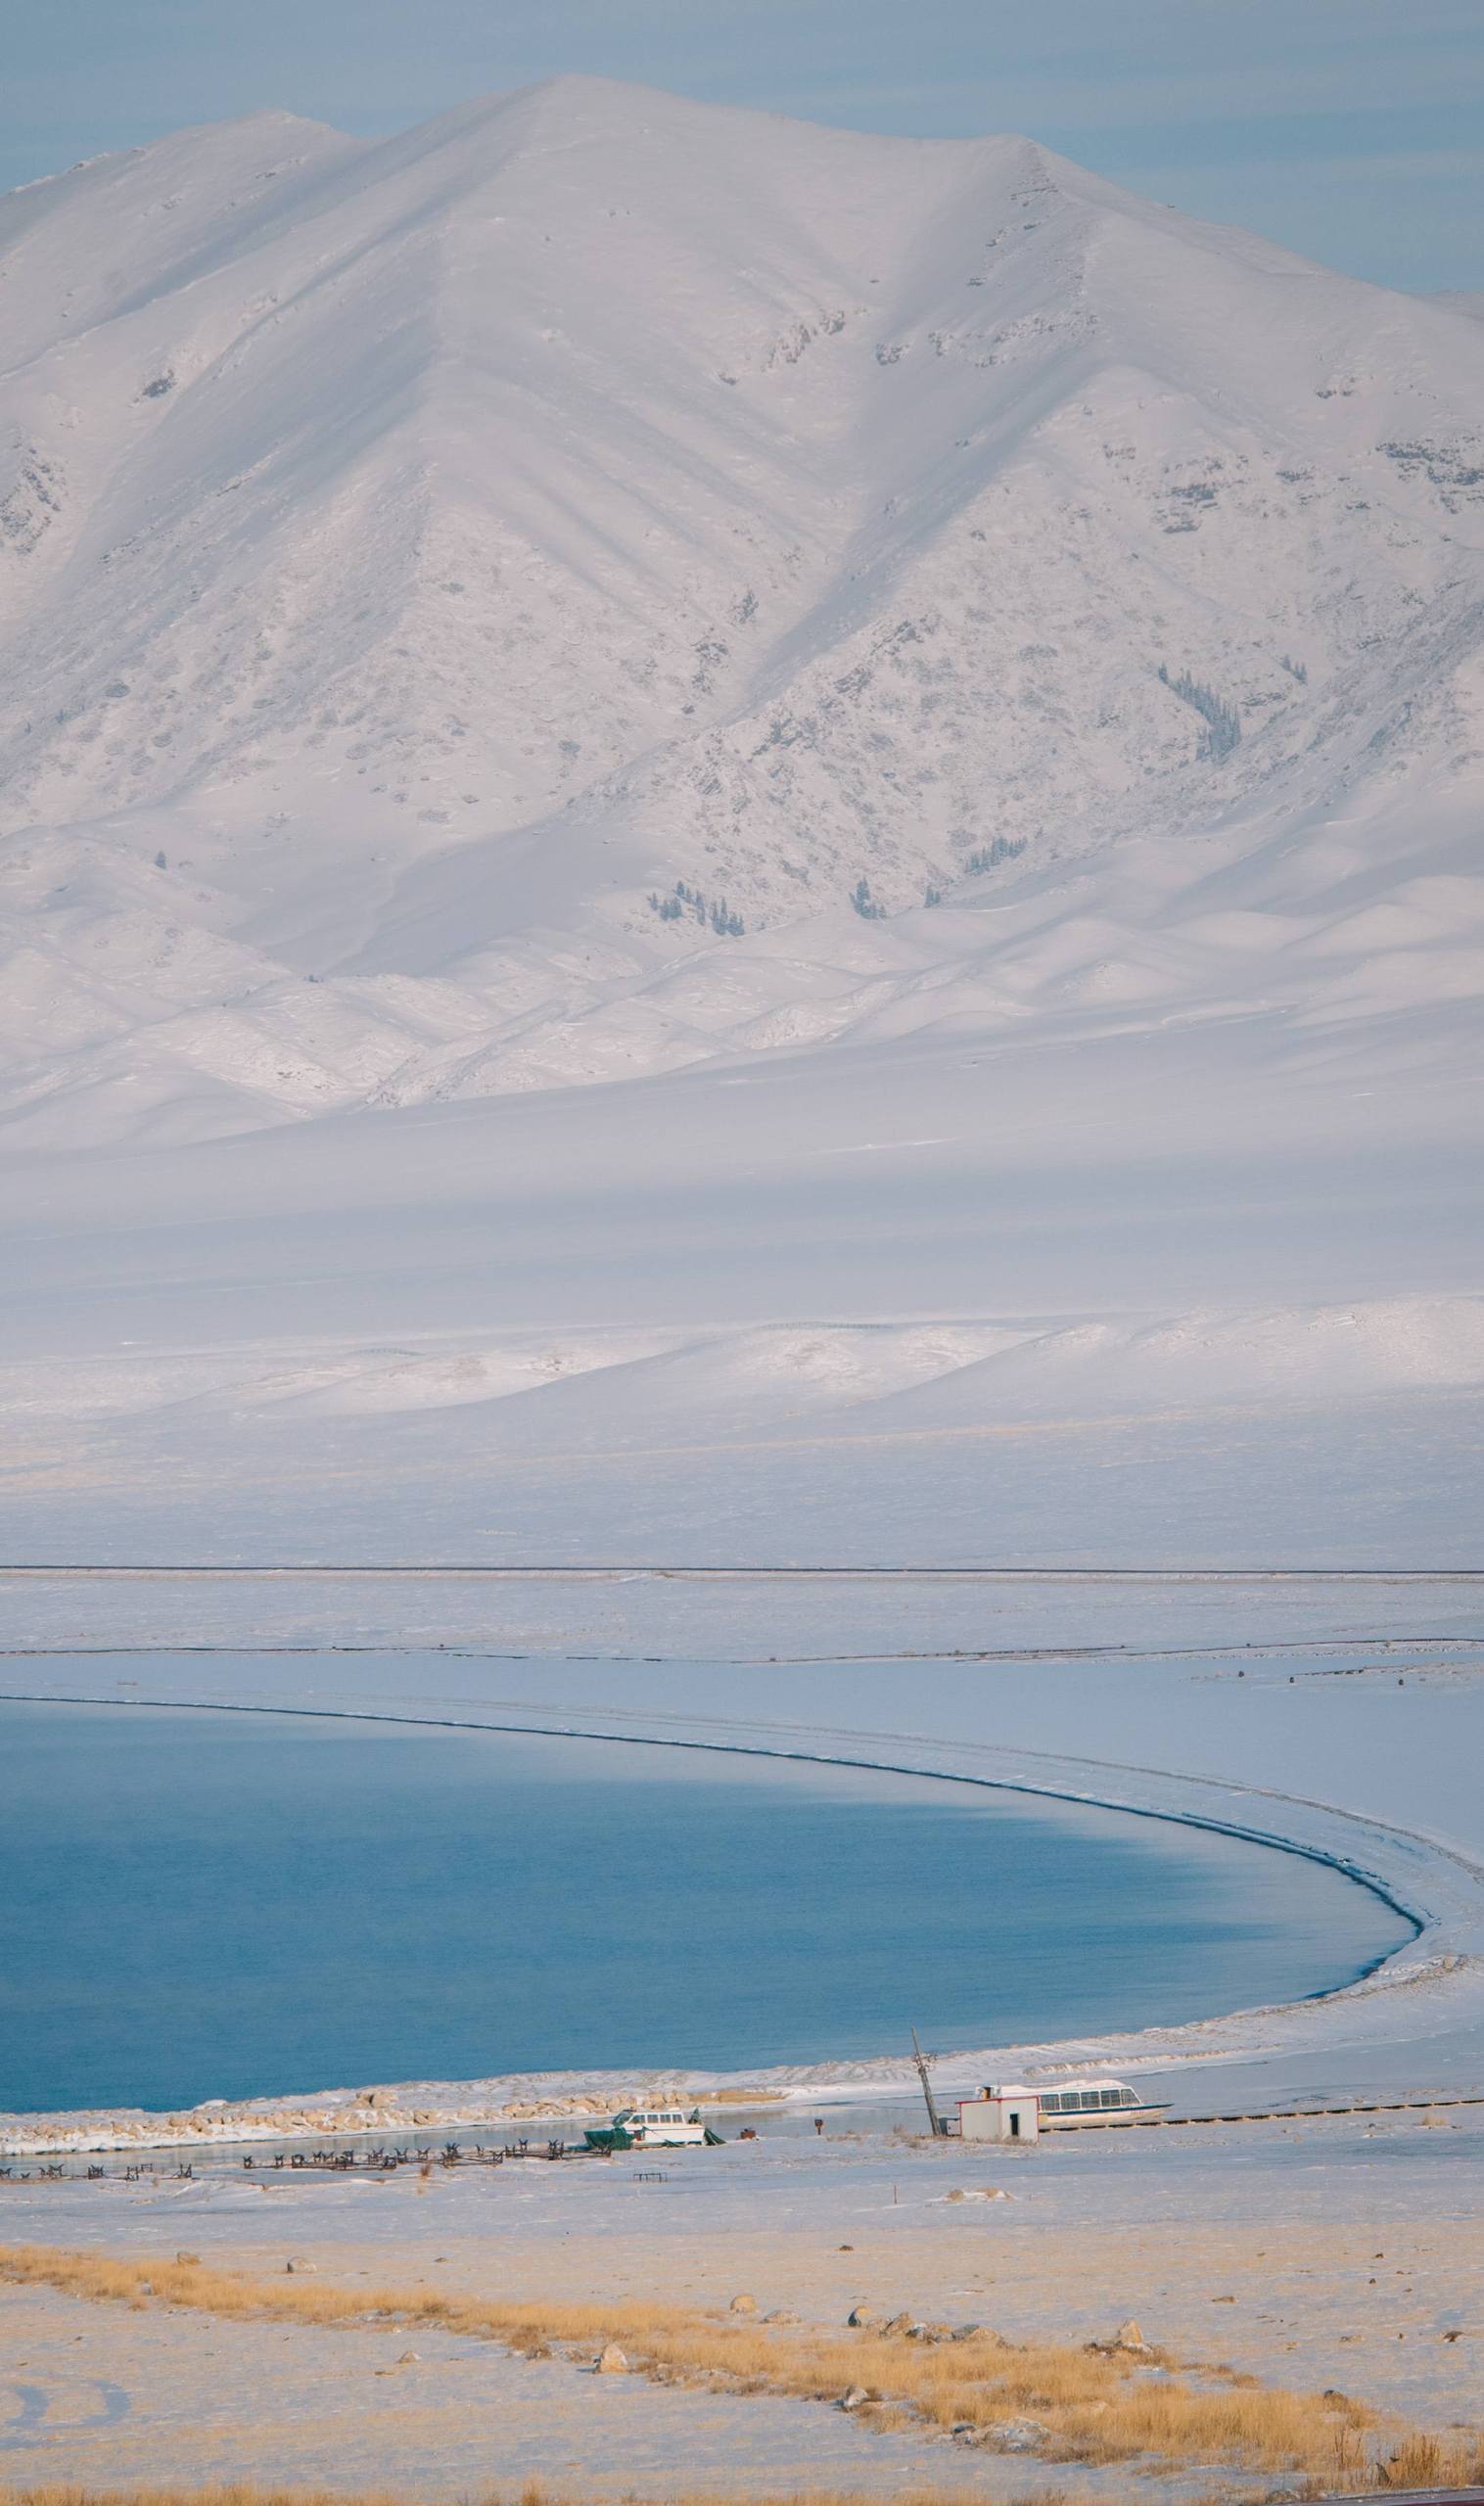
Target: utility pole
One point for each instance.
(935, 2119)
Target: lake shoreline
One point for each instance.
(1421, 1967)
(1226, 1740)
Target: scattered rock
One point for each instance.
(1127, 2338)
(865, 2318)
(409, 2358)
(1016, 2435)
(781, 2314)
(931, 2332)
(744, 2305)
(856, 2399)
(610, 2361)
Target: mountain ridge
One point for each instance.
(427, 557)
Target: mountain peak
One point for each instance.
(551, 572)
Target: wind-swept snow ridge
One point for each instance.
(561, 592)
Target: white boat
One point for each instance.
(1094, 2101)
(650, 2127)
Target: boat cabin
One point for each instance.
(658, 2118)
(1090, 2099)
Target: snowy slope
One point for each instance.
(1163, 1294)
(417, 554)
(422, 560)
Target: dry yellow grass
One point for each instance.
(249, 2494)
(1425, 2462)
(1093, 2407)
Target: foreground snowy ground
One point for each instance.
(1320, 2255)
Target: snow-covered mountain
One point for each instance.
(553, 595)
(504, 631)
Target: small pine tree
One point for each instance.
(990, 856)
(1223, 722)
(687, 899)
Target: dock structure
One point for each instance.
(993, 2129)
(1114, 2122)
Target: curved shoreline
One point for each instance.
(1446, 1916)
(1374, 1884)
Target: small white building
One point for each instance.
(1001, 2115)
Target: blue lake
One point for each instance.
(200, 1905)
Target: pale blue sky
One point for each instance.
(1351, 129)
